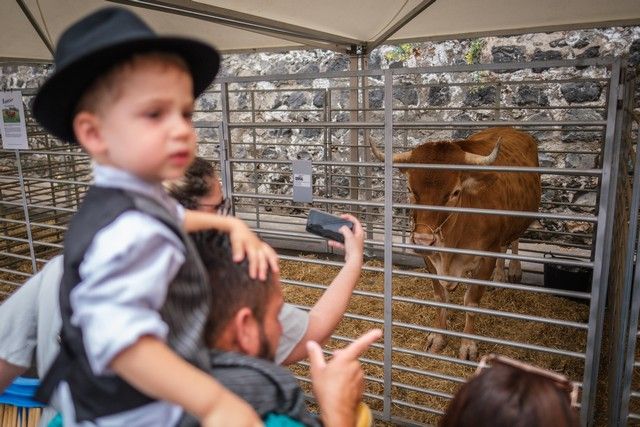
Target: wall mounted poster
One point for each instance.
(12, 121)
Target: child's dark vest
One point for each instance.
(185, 310)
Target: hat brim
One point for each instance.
(56, 100)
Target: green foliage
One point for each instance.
(401, 52)
(472, 56)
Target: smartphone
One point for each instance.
(326, 225)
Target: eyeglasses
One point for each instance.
(561, 381)
(222, 208)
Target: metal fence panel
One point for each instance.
(255, 127)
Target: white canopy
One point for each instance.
(29, 28)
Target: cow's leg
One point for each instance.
(435, 341)
(468, 347)
(498, 272)
(515, 268)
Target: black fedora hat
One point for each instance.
(93, 45)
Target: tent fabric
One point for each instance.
(332, 24)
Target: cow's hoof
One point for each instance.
(468, 350)
(498, 275)
(515, 271)
(435, 343)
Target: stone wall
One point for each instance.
(440, 97)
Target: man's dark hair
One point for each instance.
(195, 184)
(505, 396)
(232, 286)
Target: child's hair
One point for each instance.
(106, 88)
(505, 396)
(196, 183)
(232, 286)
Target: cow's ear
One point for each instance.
(477, 182)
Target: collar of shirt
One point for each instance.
(108, 176)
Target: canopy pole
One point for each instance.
(401, 23)
(35, 25)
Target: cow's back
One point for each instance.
(507, 191)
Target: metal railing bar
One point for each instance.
(418, 407)
(585, 246)
(430, 392)
(38, 206)
(463, 280)
(435, 356)
(431, 374)
(10, 255)
(488, 254)
(433, 303)
(53, 153)
(55, 181)
(437, 166)
(505, 314)
(492, 340)
(520, 214)
(526, 288)
(417, 124)
(17, 273)
(500, 212)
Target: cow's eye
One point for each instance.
(455, 193)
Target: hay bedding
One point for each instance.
(514, 301)
(496, 299)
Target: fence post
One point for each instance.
(388, 239)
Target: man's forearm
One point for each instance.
(200, 221)
(328, 311)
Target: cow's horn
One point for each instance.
(397, 158)
(476, 159)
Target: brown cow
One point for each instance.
(470, 189)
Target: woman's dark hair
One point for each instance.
(195, 184)
(505, 396)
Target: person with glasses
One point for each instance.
(200, 189)
(505, 392)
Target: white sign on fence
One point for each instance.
(302, 188)
(12, 121)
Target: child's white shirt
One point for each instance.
(125, 275)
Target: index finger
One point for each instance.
(360, 345)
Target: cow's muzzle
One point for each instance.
(424, 239)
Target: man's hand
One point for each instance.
(338, 384)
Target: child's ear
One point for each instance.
(247, 331)
(86, 127)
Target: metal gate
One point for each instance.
(329, 119)
(257, 125)
(624, 404)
